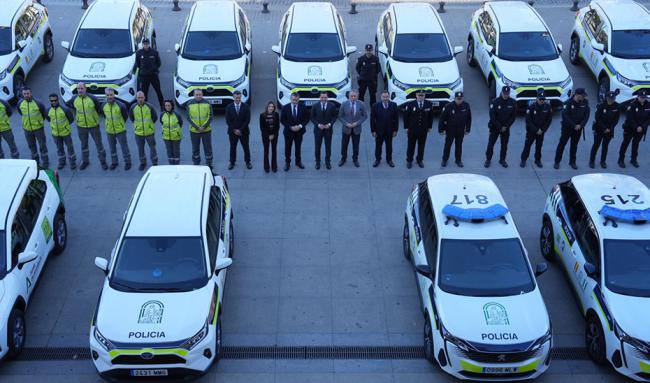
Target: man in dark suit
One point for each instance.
(323, 116)
(418, 121)
(384, 123)
(294, 118)
(238, 116)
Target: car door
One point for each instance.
(589, 251)
(486, 43)
(384, 42)
(592, 24)
(425, 233)
(27, 25)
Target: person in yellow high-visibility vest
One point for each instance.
(60, 119)
(87, 109)
(172, 132)
(33, 116)
(199, 114)
(5, 130)
(115, 117)
(144, 118)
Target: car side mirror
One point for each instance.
(65, 45)
(21, 44)
(26, 257)
(591, 270)
(223, 263)
(559, 48)
(490, 49)
(350, 50)
(458, 49)
(102, 264)
(424, 270)
(247, 47)
(177, 48)
(597, 46)
(540, 269)
(383, 50)
(276, 49)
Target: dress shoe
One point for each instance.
(556, 165)
(61, 166)
(84, 165)
(356, 163)
(317, 165)
(539, 164)
(634, 163)
(73, 166)
(328, 165)
(267, 169)
(573, 166)
(142, 166)
(231, 165)
(603, 164)
(621, 163)
(113, 166)
(460, 164)
(409, 164)
(421, 164)
(444, 163)
(503, 163)
(390, 163)
(592, 164)
(522, 164)
(274, 169)
(375, 164)
(300, 165)
(486, 164)
(127, 166)
(286, 167)
(249, 166)
(342, 162)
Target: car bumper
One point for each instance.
(524, 95)
(439, 96)
(463, 367)
(626, 93)
(218, 95)
(634, 364)
(177, 363)
(310, 95)
(125, 93)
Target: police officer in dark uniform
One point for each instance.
(368, 69)
(148, 62)
(608, 113)
(418, 122)
(538, 119)
(503, 111)
(574, 117)
(455, 122)
(635, 127)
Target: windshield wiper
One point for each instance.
(164, 289)
(123, 286)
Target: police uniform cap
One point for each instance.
(641, 93)
(145, 41)
(505, 89)
(459, 95)
(540, 94)
(611, 94)
(368, 47)
(581, 91)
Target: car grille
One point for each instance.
(532, 93)
(213, 92)
(310, 94)
(430, 95)
(156, 359)
(497, 357)
(498, 377)
(95, 90)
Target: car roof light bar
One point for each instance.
(475, 215)
(613, 214)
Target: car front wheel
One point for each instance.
(60, 234)
(574, 51)
(471, 60)
(48, 48)
(16, 333)
(428, 341)
(546, 239)
(595, 340)
(405, 241)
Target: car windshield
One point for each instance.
(102, 43)
(526, 46)
(212, 45)
(627, 266)
(421, 47)
(3, 254)
(313, 47)
(6, 45)
(160, 264)
(481, 268)
(633, 44)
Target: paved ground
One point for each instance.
(318, 252)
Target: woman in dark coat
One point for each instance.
(270, 127)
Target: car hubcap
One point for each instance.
(427, 340)
(593, 338)
(470, 51)
(405, 241)
(574, 50)
(19, 333)
(49, 48)
(546, 239)
(60, 233)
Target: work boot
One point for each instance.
(503, 163)
(113, 166)
(486, 164)
(84, 165)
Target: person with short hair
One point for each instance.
(574, 118)
(635, 127)
(199, 113)
(538, 119)
(607, 116)
(238, 117)
(455, 123)
(115, 117)
(147, 60)
(172, 132)
(87, 111)
(503, 111)
(352, 115)
(323, 116)
(60, 119)
(144, 119)
(294, 117)
(384, 124)
(418, 122)
(368, 68)
(33, 118)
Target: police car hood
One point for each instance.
(210, 72)
(626, 311)
(2, 289)
(314, 73)
(97, 69)
(638, 70)
(494, 320)
(5, 60)
(128, 317)
(425, 74)
(538, 72)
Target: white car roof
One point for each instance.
(313, 17)
(442, 189)
(416, 18)
(15, 176)
(170, 201)
(591, 187)
(625, 14)
(516, 16)
(9, 10)
(109, 14)
(213, 16)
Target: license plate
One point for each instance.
(435, 103)
(499, 370)
(310, 102)
(158, 372)
(216, 101)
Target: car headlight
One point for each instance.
(66, 80)
(542, 341)
(196, 338)
(566, 82)
(400, 84)
(286, 83)
(463, 345)
(342, 83)
(106, 344)
(636, 343)
(237, 82)
(124, 80)
(182, 82)
(510, 83)
(456, 83)
(3, 74)
(625, 81)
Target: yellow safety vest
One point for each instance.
(32, 117)
(171, 127)
(143, 122)
(59, 123)
(87, 116)
(200, 113)
(114, 121)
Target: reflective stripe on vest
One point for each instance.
(4, 119)
(171, 128)
(32, 117)
(143, 123)
(87, 116)
(59, 123)
(200, 114)
(114, 121)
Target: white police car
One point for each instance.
(597, 227)
(313, 54)
(102, 53)
(25, 36)
(159, 311)
(512, 46)
(484, 315)
(612, 37)
(214, 53)
(32, 225)
(415, 54)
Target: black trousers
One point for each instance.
(345, 142)
(153, 81)
(243, 139)
(386, 138)
(290, 139)
(492, 139)
(371, 86)
(321, 135)
(273, 146)
(457, 140)
(538, 139)
(567, 135)
(633, 137)
(600, 138)
(416, 138)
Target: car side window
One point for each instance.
(428, 227)
(284, 30)
(574, 207)
(588, 239)
(19, 239)
(602, 36)
(35, 16)
(24, 26)
(389, 33)
(242, 28)
(137, 29)
(30, 205)
(212, 231)
(592, 22)
(487, 28)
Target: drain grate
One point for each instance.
(290, 352)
